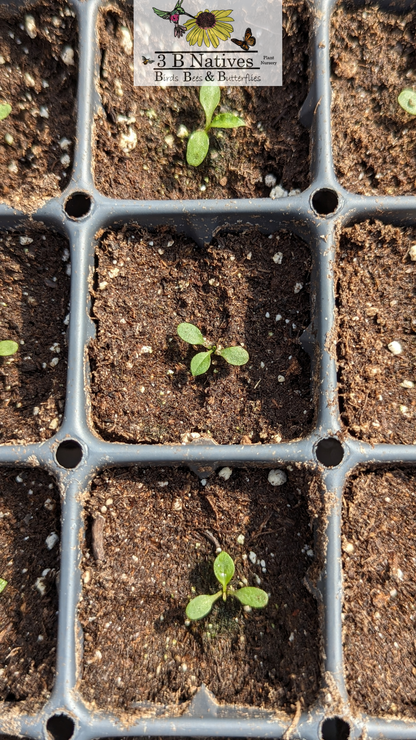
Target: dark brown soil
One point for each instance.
(153, 556)
(376, 299)
(374, 139)
(379, 592)
(142, 389)
(274, 141)
(41, 89)
(34, 295)
(29, 513)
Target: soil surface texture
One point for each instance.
(34, 295)
(148, 553)
(374, 139)
(38, 78)
(29, 562)
(379, 542)
(376, 299)
(236, 293)
(273, 142)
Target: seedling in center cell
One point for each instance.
(407, 100)
(198, 142)
(8, 347)
(202, 361)
(224, 571)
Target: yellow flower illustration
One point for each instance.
(209, 27)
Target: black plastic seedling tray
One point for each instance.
(75, 453)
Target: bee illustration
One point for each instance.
(145, 60)
(249, 40)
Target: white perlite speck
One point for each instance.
(182, 132)
(65, 160)
(395, 348)
(281, 378)
(278, 192)
(240, 539)
(270, 181)
(128, 142)
(412, 252)
(277, 477)
(225, 473)
(252, 557)
(65, 143)
(43, 111)
(30, 82)
(67, 56)
(126, 41)
(298, 287)
(40, 584)
(51, 540)
(278, 258)
(407, 384)
(25, 240)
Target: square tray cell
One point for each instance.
(29, 562)
(148, 553)
(379, 542)
(373, 59)
(139, 153)
(38, 77)
(244, 289)
(34, 295)
(375, 308)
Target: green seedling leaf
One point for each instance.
(407, 100)
(5, 110)
(8, 347)
(209, 97)
(235, 355)
(190, 333)
(251, 596)
(227, 120)
(201, 606)
(3, 585)
(197, 149)
(201, 363)
(224, 569)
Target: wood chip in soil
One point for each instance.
(376, 300)
(373, 60)
(41, 88)
(137, 648)
(235, 292)
(273, 143)
(29, 514)
(379, 542)
(34, 296)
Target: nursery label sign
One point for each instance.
(189, 45)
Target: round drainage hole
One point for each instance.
(329, 452)
(60, 727)
(325, 201)
(78, 205)
(335, 729)
(69, 454)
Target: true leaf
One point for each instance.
(224, 569)
(251, 596)
(235, 355)
(3, 585)
(5, 109)
(190, 333)
(197, 149)
(227, 120)
(200, 363)
(209, 97)
(407, 100)
(8, 347)
(201, 605)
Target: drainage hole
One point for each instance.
(329, 452)
(325, 201)
(60, 727)
(335, 728)
(77, 205)
(69, 454)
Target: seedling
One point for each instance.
(407, 100)
(5, 110)
(224, 571)
(8, 347)
(202, 361)
(3, 585)
(198, 142)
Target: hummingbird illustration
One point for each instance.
(174, 16)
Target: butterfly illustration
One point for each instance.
(249, 40)
(145, 60)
